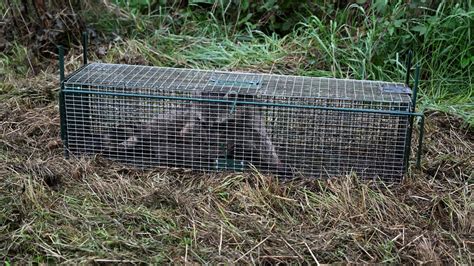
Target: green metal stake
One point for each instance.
(422, 118)
(61, 64)
(413, 108)
(415, 87)
(408, 66)
(62, 106)
(84, 47)
(420, 142)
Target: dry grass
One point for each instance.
(78, 210)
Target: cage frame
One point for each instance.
(411, 114)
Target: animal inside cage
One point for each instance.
(285, 126)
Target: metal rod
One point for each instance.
(413, 109)
(61, 63)
(415, 88)
(408, 68)
(420, 142)
(84, 47)
(413, 105)
(407, 145)
(138, 95)
(62, 106)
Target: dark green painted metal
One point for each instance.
(408, 68)
(409, 134)
(229, 164)
(420, 142)
(413, 109)
(138, 95)
(62, 105)
(415, 88)
(422, 121)
(61, 63)
(84, 47)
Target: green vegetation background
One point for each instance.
(360, 39)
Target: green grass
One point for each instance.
(349, 43)
(355, 42)
(96, 214)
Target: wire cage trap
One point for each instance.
(286, 126)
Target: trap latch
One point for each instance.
(229, 164)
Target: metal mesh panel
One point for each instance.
(210, 120)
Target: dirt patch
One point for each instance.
(449, 148)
